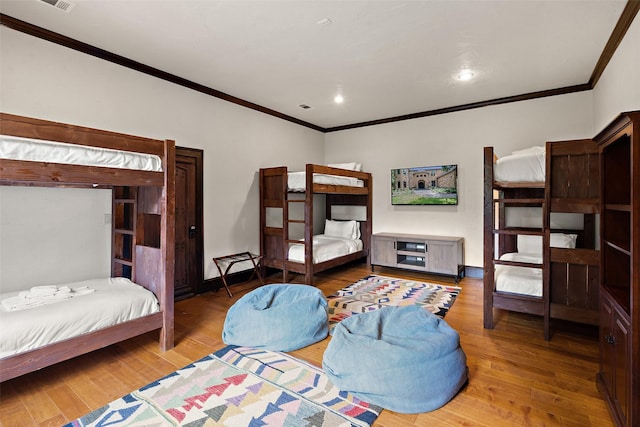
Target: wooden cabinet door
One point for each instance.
(622, 380)
(442, 257)
(615, 359)
(607, 354)
(383, 251)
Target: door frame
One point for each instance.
(197, 155)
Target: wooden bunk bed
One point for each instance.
(143, 227)
(276, 195)
(568, 274)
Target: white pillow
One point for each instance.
(353, 166)
(531, 150)
(533, 244)
(529, 244)
(560, 240)
(344, 229)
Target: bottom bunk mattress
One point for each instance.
(519, 280)
(88, 306)
(325, 248)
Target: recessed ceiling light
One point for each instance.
(465, 75)
(339, 99)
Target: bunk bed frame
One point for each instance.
(151, 264)
(274, 239)
(570, 276)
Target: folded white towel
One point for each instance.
(27, 299)
(43, 290)
(83, 290)
(44, 287)
(19, 303)
(63, 290)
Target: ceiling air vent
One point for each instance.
(62, 5)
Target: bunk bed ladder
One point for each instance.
(287, 221)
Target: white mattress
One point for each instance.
(114, 301)
(519, 280)
(521, 166)
(297, 181)
(325, 248)
(14, 148)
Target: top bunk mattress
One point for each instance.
(521, 166)
(113, 301)
(16, 148)
(297, 181)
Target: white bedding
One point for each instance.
(114, 301)
(297, 181)
(15, 148)
(521, 166)
(519, 280)
(325, 248)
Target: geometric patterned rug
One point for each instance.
(374, 292)
(236, 387)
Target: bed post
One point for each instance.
(308, 226)
(546, 250)
(489, 239)
(369, 228)
(168, 246)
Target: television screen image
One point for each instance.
(427, 185)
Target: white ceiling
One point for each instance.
(387, 58)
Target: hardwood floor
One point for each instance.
(515, 377)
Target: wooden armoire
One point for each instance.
(619, 376)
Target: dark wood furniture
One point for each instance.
(569, 284)
(619, 376)
(442, 255)
(224, 264)
(143, 227)
(275, 196)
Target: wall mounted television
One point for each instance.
(426, 185)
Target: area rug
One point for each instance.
(374, 292)
(236, 387)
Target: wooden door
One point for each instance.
(189, 264)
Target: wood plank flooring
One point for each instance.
(515, 377)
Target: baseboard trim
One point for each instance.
(473, 272)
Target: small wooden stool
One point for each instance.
(230, 260)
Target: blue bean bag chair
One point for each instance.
(277, 317)
(404, 359)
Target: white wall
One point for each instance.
(44, 80)
(456, 138)
(44, 242)
(618, 89)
